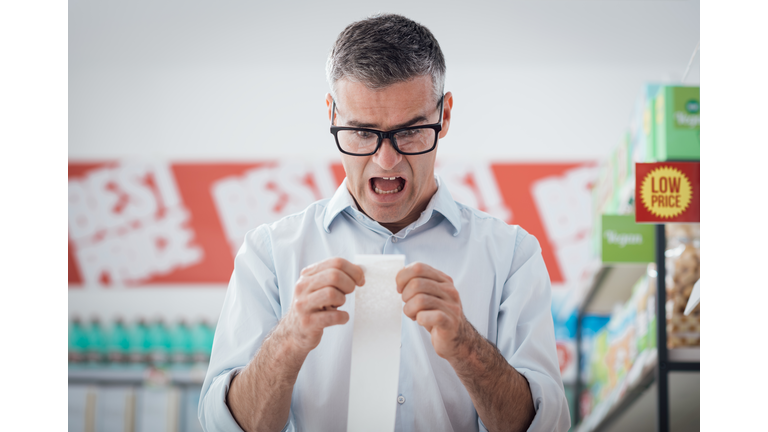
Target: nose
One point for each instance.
(387, 157)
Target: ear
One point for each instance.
(447, 107)
(329, 104)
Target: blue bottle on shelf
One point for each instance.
(181, 343)
(96, 352)
(159, 343)
(118, 342)
(202, 341)
(139, 342)
(78, 341)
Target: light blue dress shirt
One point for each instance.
(497, 269)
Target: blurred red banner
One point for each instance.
(148, 223)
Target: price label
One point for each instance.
(667, 192)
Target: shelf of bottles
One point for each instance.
(139, 352)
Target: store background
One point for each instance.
(178, 84)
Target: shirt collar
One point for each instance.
(441, 202)
(339, 202)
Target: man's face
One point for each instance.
(391, 188)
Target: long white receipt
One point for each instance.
(375, 345)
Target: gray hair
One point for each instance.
(382, 50)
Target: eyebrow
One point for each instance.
(411, 122)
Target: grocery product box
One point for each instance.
(644, 300)
(677, 133)
(611, 346)
(590, 326)
(641, 125)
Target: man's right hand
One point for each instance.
(259, 397)
(320, 290)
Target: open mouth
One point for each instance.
(387, 185)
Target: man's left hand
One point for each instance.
(432, 300)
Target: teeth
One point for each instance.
(379, 191)
(383, 192)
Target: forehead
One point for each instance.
(392, 105)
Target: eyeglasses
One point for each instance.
(412, 140)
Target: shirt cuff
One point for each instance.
(549, 401)
(214, 413)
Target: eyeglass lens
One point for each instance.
(408, 141)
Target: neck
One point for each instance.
(396, 227)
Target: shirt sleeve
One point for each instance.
(250, 311)
(526, 334)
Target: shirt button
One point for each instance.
(401, 399)
(394, 239)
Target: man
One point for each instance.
(478, 347)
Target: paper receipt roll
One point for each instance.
(375, 366)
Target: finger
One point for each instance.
(425, 302)
(323, 319)
(422, 270)
(324, 299)
(354, 271)
(432, 318)
(419, 285)
(331, 277)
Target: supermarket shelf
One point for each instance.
(637, 380)
(632, 404)
(640, 416)
(672, 375)
(610, 284)
(137, 375)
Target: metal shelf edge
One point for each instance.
(137, 376)
(684, 355)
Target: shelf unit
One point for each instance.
(186, 375)
(137, 396)
(651, 368)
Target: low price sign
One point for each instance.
(667, 192)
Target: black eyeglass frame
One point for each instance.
(437, 127)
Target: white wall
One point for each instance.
(545, 80)
(231, 81)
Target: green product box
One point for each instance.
(677, 132)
